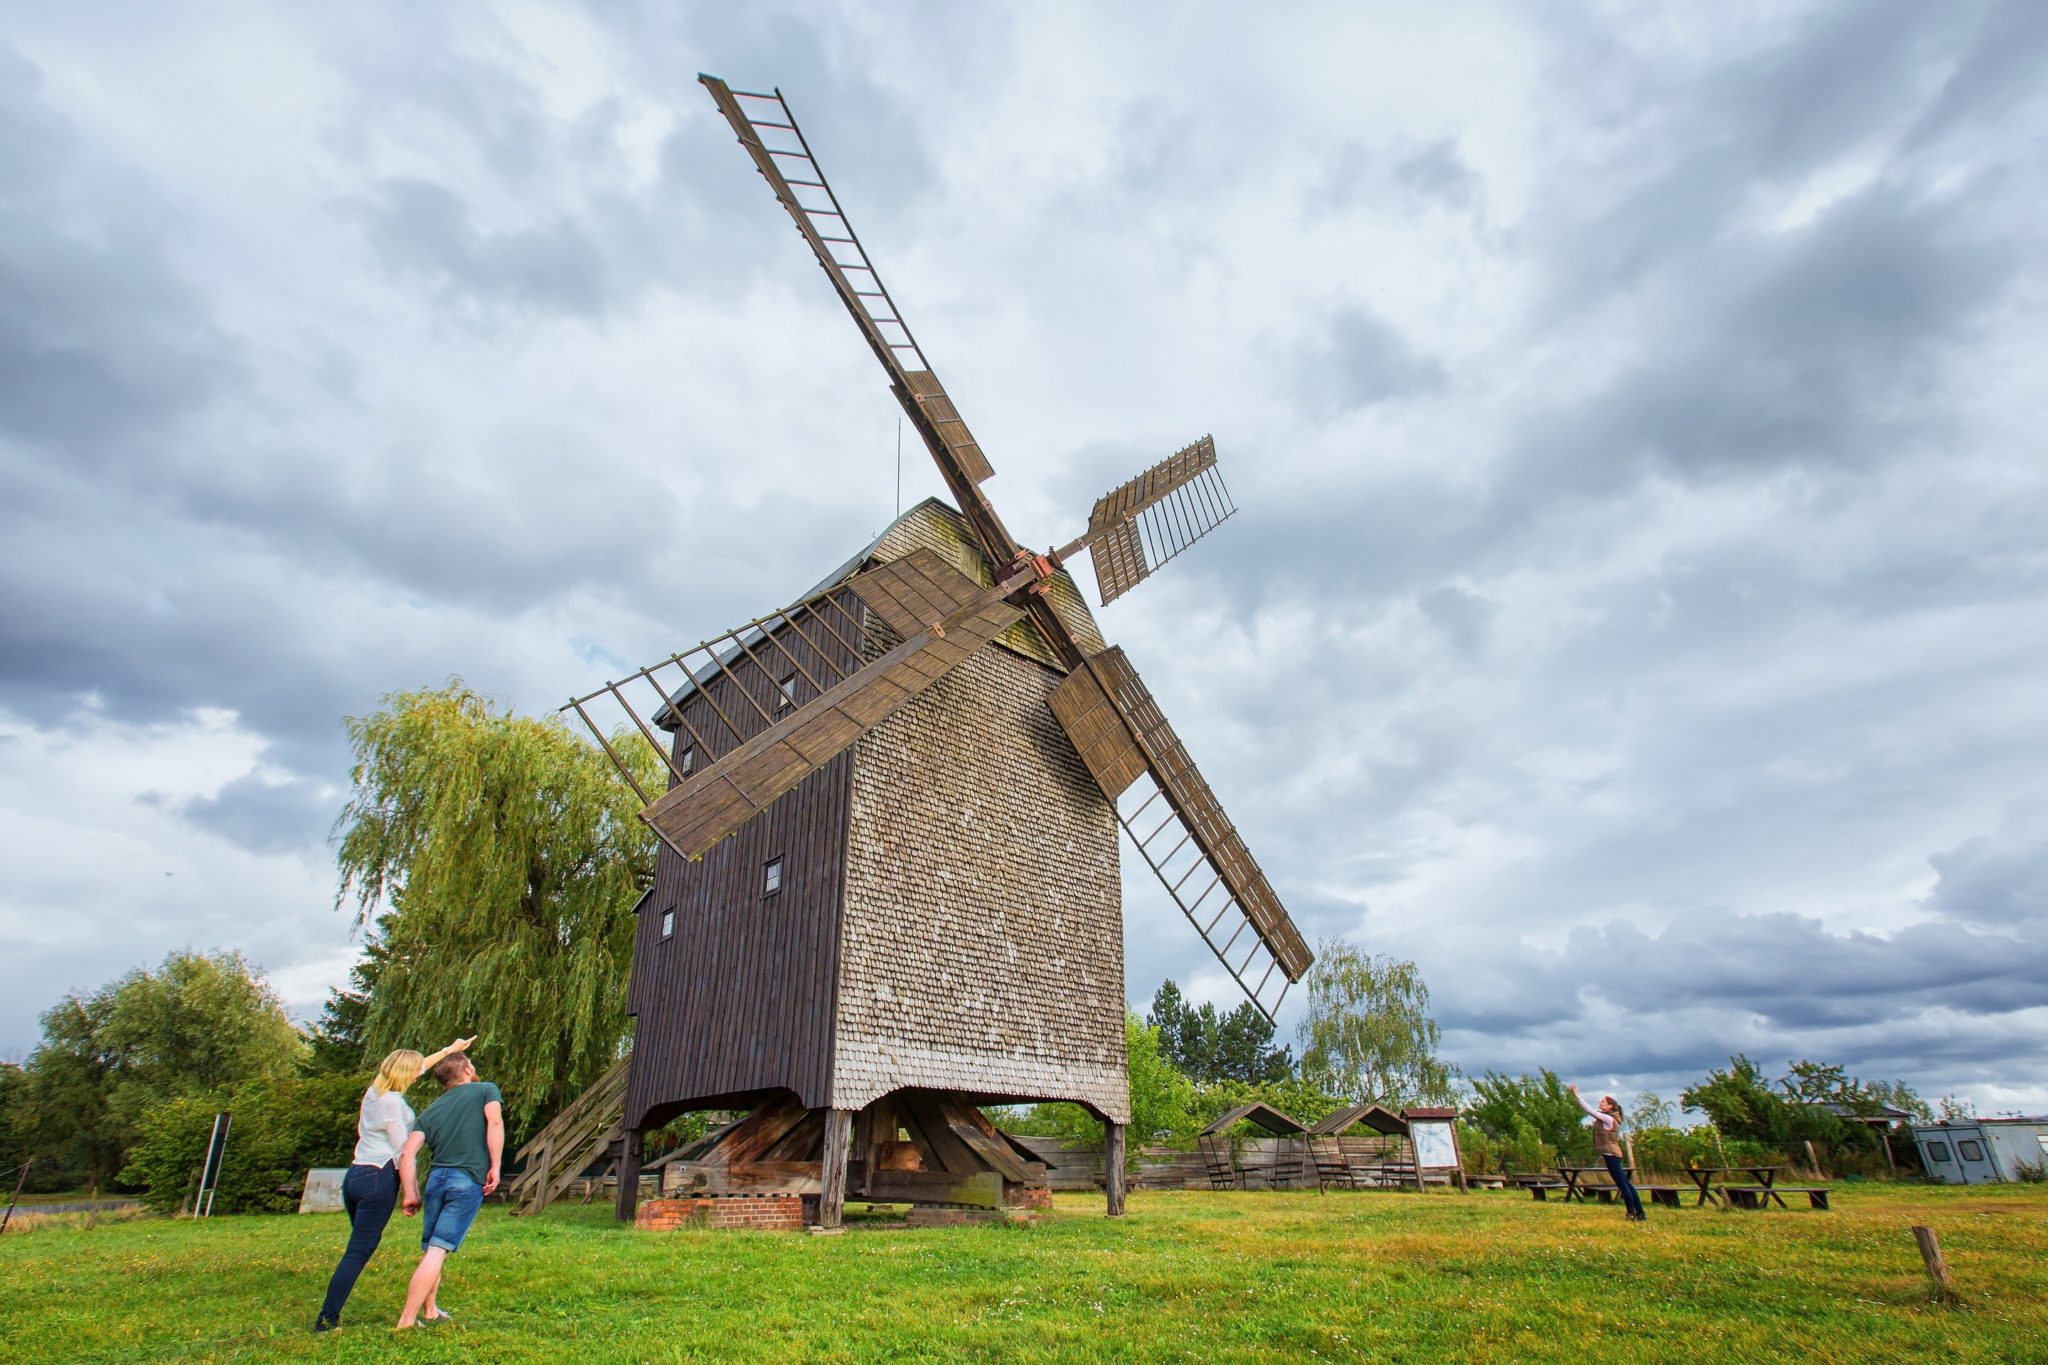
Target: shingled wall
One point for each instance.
(981, 943)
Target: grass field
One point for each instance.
(1190, 1277)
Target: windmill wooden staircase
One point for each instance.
(558, 1154)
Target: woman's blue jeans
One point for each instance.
(369, 1193)
(1619, 1175)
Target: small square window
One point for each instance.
(1969, 1151)
(686, 761)
(785, 693)
(771, 877)
(1939, 1151)
(668, 923)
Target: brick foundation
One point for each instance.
(757, 1212)
(1027, 1196)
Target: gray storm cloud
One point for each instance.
(1635, 614)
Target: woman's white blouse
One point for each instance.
(381, 1127)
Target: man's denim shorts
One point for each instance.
(448, 1207)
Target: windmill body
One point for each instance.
(937, 908)
(888, 889)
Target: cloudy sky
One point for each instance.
(1636, 612)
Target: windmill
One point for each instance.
(888, 889)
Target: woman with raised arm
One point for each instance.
(370, 1190)
(1607, 1142)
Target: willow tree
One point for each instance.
(1367, 1033)
(498, 858)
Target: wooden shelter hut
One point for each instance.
(1878, 1118)
(1282, 1168)
(1365, 1146)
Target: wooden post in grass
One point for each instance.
(1937, 1268)
(832, 1195)
(632, 1145)
(1113, 1167)
(17, 1193)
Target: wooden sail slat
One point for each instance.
(698, 812)
(1137, 526)
(1147, 743)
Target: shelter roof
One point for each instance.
(1264, 1115)
(1374, 1116)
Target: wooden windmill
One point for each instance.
(888, 890)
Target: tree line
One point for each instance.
(493, 862)
(1367, 1037)
(1531, 1122)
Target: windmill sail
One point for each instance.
(756, 710)
(1179, 827)
(769, 133)
(1136, 527)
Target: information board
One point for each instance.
(1434, 1144)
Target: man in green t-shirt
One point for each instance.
(466, 1130)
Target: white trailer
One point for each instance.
(1980, 1151)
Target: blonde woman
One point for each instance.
(370, 1190)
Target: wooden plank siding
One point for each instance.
(738, 1001)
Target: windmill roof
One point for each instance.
(935, 525)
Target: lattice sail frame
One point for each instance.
(773, 141)
(1138, 526)
(1123, 738)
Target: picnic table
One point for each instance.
(1574, 1180)
(1763, 1176)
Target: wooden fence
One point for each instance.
(1371, 1161)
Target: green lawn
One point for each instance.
(1195, 1277)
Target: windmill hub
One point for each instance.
(1041, 569)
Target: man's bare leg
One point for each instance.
(425, 1280)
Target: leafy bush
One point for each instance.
(282, 1127)
(1780, 1120)
(1535, 1116)
(1524, 1149)
(1479, 1153)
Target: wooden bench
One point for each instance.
(1759, 1196)
(1540, 1189)
(1666, 1195)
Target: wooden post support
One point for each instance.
(1884, 1136)
(1813, 1160)
(1113, 1167)
(1937, 1267)
(18, 1185)
(631, 1148)
(838, 1138)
